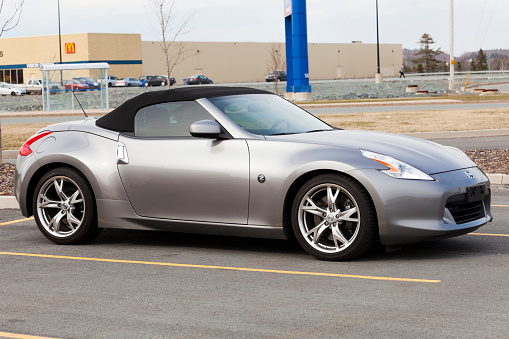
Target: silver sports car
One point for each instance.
(245, 162)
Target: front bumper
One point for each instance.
(410, 211)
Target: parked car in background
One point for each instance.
(34, 86)
(92, 84)
(111, 80)
(127, 82)
(75, 85)
(279, 75)
(157, 80)
(198, 80)
(172, 80)
(9, 89)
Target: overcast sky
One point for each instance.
(478, 23)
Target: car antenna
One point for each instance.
(75, 97)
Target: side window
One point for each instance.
(169, 119)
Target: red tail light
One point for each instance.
(25, 149)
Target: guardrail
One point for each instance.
(501, 73)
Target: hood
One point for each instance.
(425, 155)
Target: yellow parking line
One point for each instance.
(492, 235)
(15, 221)
(222, 267)
(21, 336)
(500, 205)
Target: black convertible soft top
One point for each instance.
(121, 119)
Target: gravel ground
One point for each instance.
(490, 160)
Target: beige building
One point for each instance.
(21, 57)
(223, 62)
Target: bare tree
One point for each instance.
(11, 22)
(169, 30)
(12, 19)
(502, 62)
(276, 62)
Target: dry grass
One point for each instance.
(422, 121)
(13, 136)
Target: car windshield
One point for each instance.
(266, 114)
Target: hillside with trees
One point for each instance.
(426, 59)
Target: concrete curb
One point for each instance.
(8, 202)
(11, 202)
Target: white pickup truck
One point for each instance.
(35, 86)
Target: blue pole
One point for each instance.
(296, 47)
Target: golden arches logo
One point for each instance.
(70, 47)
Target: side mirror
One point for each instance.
(205, 129)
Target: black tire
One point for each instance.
(64, 207)
(13, 94)
(333, 218)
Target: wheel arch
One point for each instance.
(36, 177)
(297, 184)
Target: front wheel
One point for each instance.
(64, 207)
(333, 218)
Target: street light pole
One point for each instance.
(59, 33)
(59, 44)
(378, 75)
(451, 52)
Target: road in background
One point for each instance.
(401, 108)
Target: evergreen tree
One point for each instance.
(458, 66)
(473, 65)
(420, 69)
(482, 62)
(427, 55)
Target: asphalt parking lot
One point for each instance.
(134, 284)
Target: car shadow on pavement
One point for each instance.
(464, 246)
(201, 241)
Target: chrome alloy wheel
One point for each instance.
(60, 206)
(329, 218)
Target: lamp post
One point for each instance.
(59, 33)
(59, 44)
(378, 75)
(451, 52)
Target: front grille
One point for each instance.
(464, 212)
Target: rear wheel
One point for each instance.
(13, 93)
(64, 207)
(333, 218)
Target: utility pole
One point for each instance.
(59, 46)
(451, 51)
(378, 75)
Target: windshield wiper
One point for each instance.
(319, 130)
(282, 133)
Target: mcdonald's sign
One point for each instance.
(70, 47)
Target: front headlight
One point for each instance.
(396, 168)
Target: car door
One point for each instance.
(170, 174)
